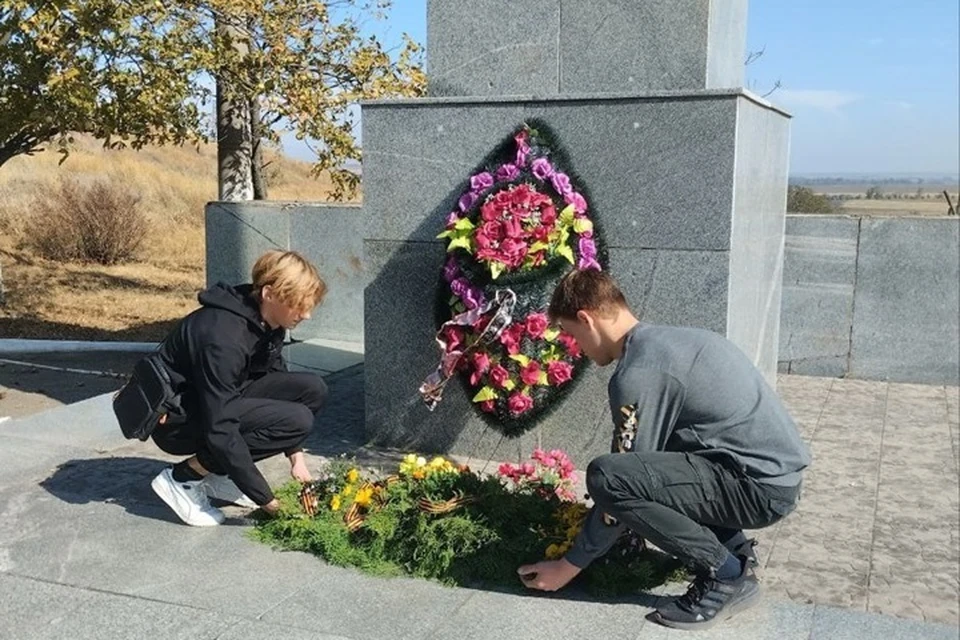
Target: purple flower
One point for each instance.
(474, 298)
(451, 270)
(561, 182)
(574, 198)
(508, 172)
(452, 219)
(481, 181)
(467, 200)
(588, 255)
(542, 168)
(471, 296)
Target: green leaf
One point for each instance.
(522, 359)
(565, 251)
(550, 355)
(496, 268)
(582, 225)
(551, 334)
(445, 234)
(567, 215)
(463, 242)
(487, 393)
(542, 380)
(464, 224)
(509, 385)
(538, 246)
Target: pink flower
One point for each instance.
(536, 324)
(480, 362)
(561, 182)
(489, 234)
(523, 149)
(520, 403)
(512, 228)
(453, 336)
(530, 374)
(588, 255)
(510, 338)
(570, 344)
(577, 200)
(559, 372)
(527, 469)
(548, 215)
(488, 406)
(499, 376)
(512, 252)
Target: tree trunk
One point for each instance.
(256, 169)
(234, 137)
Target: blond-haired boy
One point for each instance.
(240, 404)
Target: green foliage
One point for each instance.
(804, 200)
(481, 543)
(137, 72)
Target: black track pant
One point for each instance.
(276, 416)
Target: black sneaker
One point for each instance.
(746, 549)
(709, 601)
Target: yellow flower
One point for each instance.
(352, 476)
(363, 496)
(335, 503)
(347, 491)
(437, 463)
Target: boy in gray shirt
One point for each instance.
(703, 448)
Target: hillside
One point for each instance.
(134, 301)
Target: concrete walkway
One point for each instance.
(87, 550)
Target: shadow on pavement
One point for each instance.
(121, 481)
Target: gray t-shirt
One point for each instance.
(693, 391)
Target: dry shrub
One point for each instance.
(97, 222)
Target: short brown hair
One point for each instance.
(588, 290)
(294, 279)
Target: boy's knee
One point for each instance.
(316, 395)
(598, 479)
(302, 420)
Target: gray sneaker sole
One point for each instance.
(743, 603)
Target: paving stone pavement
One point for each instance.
(87, 551)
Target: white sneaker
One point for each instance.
(223, 488)
(187, 499)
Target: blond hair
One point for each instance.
(294, 280)
(586, 290)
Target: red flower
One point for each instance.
(559, 372)
(512, 228)
(499, 376)
(548, 215)
(481, 362)
(453, 336)
(540, 234)
(489, 406)
(520, 403)
(512, 252)
(570, 344)
(536, 324)
(530, 374)
(481, 324)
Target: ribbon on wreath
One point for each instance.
(432, 388)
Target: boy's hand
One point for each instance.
(298, 468)
(272, 508)
(548, 575)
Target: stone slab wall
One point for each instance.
(872, 298)
(330, 236)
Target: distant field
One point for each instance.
(930, 202)
(896, 207)
(853, 188)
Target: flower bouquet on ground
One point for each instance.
(439, 520)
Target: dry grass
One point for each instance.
(895, 207)
(135, 301)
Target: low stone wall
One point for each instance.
(331, 236)
(871, 298)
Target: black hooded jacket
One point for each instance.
(211, 355)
